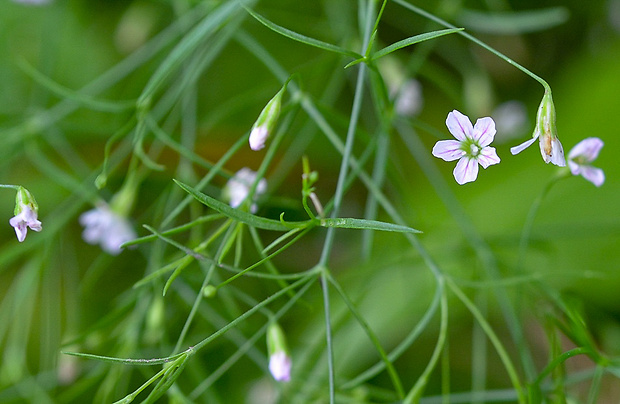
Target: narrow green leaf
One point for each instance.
(514, 22)
(413, 40)
(80, 98)
(178, 229)
(185, 48)
(241, 216)
(153, 361)
(177, 271)
(171, 375)
(355, 62)
(348, 223)
(302, 38)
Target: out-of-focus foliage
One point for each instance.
(72, 74)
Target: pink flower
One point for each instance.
(26, 214)
(582, 155)
(471, 147)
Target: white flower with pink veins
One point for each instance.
(470, 148)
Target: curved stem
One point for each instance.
(475, 40)
(531, 215)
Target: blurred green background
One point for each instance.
(54, 288)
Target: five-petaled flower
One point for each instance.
(582, 155)
(471, 147)
(546, 133)
(105, 227)
(26, 211)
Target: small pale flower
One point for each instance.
(279, 362)
(471, 147)
(546, 133)
(238, 188)
(582, 155)
(104, 227)
(280, 366)
(26, 212)
(409, 99)
(510, 119)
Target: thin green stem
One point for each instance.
(338, 196)
(559, 360)
(595, 386)
(418, 388)
(373, 337)
(346, 156)
(531, 215)
(254, 309)
(242, 351)
(497, 344)
(446, 24)
(483, 250)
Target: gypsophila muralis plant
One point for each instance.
(251, 208)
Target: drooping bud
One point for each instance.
(546, 133)
(279, 360)
(26, 212)
(550, 147)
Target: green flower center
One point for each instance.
(471, 148)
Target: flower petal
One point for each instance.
(522, 146)
(593, 174)
(20, 227)
(448, 150)
(557, 153)
(488, 156)
(459, 125)
(280, 366)
(575, 168)
(588, 148)
(466, 170)
(484, 131)
(258, 137)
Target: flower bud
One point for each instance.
(266, 121)
(279, 361)
(550, 147)
(546, 133)
(26, 211)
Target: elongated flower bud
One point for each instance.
(266, 121)
(546, 133)
(279, 360)
(550, 146)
